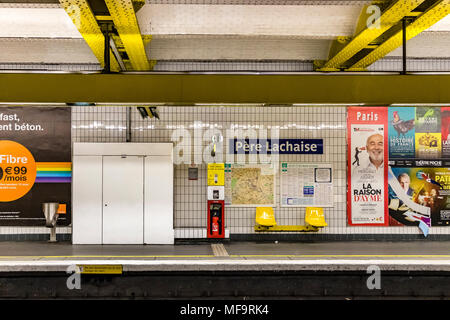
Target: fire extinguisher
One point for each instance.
(215, 226)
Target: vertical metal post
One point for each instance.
(128, 124)
(404, 45)
(106, 30)
(107, 57)
(53, 234)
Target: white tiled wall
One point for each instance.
(107, 124)
(34, 230)
(306, 122)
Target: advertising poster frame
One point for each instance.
(401, 132)
(368, 119)
(46, 133)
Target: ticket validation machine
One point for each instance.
(216, 201)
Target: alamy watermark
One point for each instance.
(74, 280)
(207, 144)
(374, 19)
(374, 280)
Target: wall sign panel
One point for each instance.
(276, 146)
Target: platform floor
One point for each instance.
(232, 256)
(35, 250)
(238, 258)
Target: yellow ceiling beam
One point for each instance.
(125, 21)
(83, 18)
(424, 21)
(186, 89)
(391, 16)
(138, 4)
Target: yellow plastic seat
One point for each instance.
(265, 216)
(314, 216)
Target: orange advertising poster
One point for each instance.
(35, 164)
(17, 170)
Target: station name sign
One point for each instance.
(276, 146)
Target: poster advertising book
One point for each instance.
(35, 164)
(367, 166)
(445, 131)
(401, 132)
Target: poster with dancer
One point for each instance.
(367, 162)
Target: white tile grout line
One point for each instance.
(219, 250)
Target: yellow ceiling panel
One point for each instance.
(424, 21)
(82, 16)
(391, 16)
(125, 21)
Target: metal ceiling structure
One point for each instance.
(262, 32)
(124, 17)
(91, 16)
(212, 30)
(439, 10)
(84, 19)
(384, 34)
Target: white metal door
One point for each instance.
(87, 200)
(123, 200)
(158, 217)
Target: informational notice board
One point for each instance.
(306, 184)
(250, 185)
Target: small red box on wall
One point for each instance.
(216, 219)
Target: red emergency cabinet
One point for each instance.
(216, 221)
